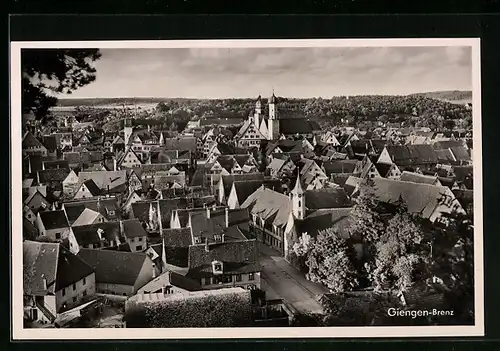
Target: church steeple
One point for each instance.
(298, 200)
(258, 111)
(274, 124)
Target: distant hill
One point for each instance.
(449, 95)
(112, 101)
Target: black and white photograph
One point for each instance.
(246, 188)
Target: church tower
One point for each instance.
(298, 200)
(274, 123)
(127, 130)
(258, 111)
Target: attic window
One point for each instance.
(217, 267)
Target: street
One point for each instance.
(280, 280)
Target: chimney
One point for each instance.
(227, 216)
(99, 233)
(114, 164)
(207, 249)
(223, 237)
(154, 270)
(208, 212)
(44, 282)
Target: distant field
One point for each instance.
(454, 96)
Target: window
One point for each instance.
(140, 239)
(238, 277)
(84, 292)
(74, 286)
(251, 276)
(63, 292)
(58, 236)
(83, 281)
(138, 248)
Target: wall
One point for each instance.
(115, 289)
(89, 287)
(145, 275)
(385, 157)
(133, 242)
(51, 233)
(244, 283)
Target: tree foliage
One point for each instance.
(49, 71)
(329, 262)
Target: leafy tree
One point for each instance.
(402, 254)
(49, 71)
(329, 261)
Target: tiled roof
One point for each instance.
(30, 140)
(245, 188)
(319, 220)
(230, 179)
(177, 237)
(114, 267)
(87, 234)
(92, 187)
(326, 198)
(460, 153)
(75, 208)
(339, 166)
(29, 230)
(140, 209)
(267, 204)
(51, 164)
(419, 198)
(88, 216)
(132, 228)
(216, 224)
(412, 154)
(103, 179)
(236, 256)
(181, 143)
(52, 175)
(444, 156)
(382, 168)
(418, 178)
(50, 142)
(54, 219)
(166, 208)
(59, 267)
(183, 214)
(446, 144)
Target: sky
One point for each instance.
(291, 72)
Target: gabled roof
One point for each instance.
(245, 188)
(87, 234)
(184, 213)
(382, 169)
(412, 154)
(228, 180)
(216, 224)
(52, 175)
(460, 153)
(51, 164)
(132, 228)
(167, 206)
(322, 219)
(418, 178)
(290, 126)
(140, 209)
(75, 208)
(50, 142)
(236, 256)
(53, 262)
(267, 204)
(92, 187)
(30, 140)
(444, 156)
(54, 219)
(103, 179)
(114, 267)
(339, 166)
(88, 216)
(326, 198)
(446, 144)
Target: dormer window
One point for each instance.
(197, 240)
(217, 267)
(217, 237)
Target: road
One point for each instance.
(280, 280)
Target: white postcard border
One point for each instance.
(19, 333)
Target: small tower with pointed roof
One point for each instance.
(298, 200)
(258, 111)
(127, 130)
(274, 124)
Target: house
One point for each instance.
(226, 264)
(97, 236)
(169, 283)
(408, 157)
(30, 232)
(222, 187)
(53, 224)
(55, 164)
(271, 212)
(54, 280)
(384, 170)
(132, 198)
(106, 181)
(129, 159)
(335, 167)
(52, 178)
(241, 190)
(117, 272)
(88, 189)
(249, 135)
(181, 217)
(89, 216)
(430, 202)
(135, 234)
(419, 178)
(31, 145)
(330, 138)
(108, 207)
(147, 214)
(70, 183)
(37, 202)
